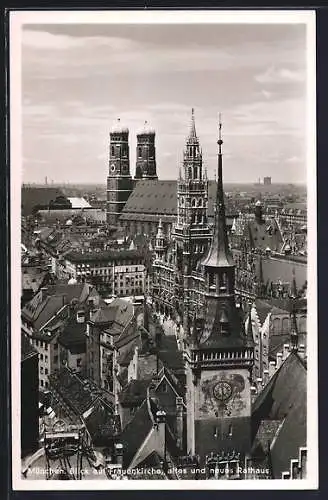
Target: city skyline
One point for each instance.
(78, 79)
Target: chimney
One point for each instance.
(266, 377)
(119, 453)
(80, 316)
(301, 351)
(272, 368)
(179, 406)
(285, 351)
(279, 360)
(253, 392)
(259, 384)
(160, 419)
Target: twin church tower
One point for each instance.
(119, 181)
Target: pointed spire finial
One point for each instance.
(192, 133)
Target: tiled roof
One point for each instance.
(40, 312)
(135, 433)
(73, 336)
(170, 355)
(160, 197)
(149, 468)
(47, 303)
(33, 196)
(284, 399)
(134, 393)
(264, 235)
(33, 277)
(105, 255)
(78, 393)
(211, 333)
(103, 426)
(276, 268)
(27, 350)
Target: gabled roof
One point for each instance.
(284, 399)
(150, 468)
(78, 393)
(102, 424)
(27, 350)
(169, 354)
(73, 335)
(135, 433)
(264, 235)
(45, 304)
(134, 393)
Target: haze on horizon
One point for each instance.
(78, 79)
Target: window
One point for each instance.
(46, 346)
(46, 371)
(47, 384)
(41, 357)
(46, 358)
(41, 370)
(41, 382)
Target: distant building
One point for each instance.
(119, 272)
(267, 181)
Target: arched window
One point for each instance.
(113, 151)
(139, 151)
(193, 202)
(200, 202)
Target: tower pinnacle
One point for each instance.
(219, 254)
(192, 138)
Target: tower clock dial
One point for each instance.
(112, 167)
(222, 391)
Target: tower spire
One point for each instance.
(219, 254)
(192, 133)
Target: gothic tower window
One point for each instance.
(139, 152)
(113, 150)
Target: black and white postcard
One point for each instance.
(163, 250)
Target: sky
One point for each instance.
(78, 79)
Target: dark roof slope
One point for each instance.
(27, 350)
(160, 197)
(284, 399)
(135, 433)
(35, 196)
(102, 424)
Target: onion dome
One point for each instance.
(146, 130)
(118, 128)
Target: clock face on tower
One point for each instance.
(222, 391)
(112, 167)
